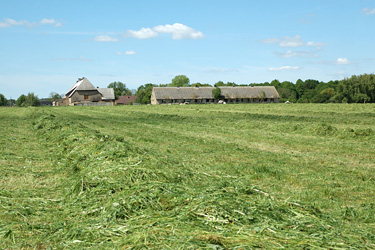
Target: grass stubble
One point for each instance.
(188, 177)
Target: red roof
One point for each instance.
(126, 100)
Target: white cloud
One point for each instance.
(105, 39)
(295, 41)
(144, 33)
(130, 52)
(291, 41)
(178, 31)
(271, 40)
(8, 22)
(290, 53)
(50, 21)
(11, 22)
(284, 68)
(368, 11)
(342, 61)
(318, 45)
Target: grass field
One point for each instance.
(270, 176)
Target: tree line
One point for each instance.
(356, 89)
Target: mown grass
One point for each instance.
(188, 177)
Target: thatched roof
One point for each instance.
(206, 92)
(107, 93)
(83, 84)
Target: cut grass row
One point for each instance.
(214, 177)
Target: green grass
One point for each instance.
(188, 177)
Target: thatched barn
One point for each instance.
(84, 93)
(229, 94)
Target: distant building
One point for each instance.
(232, 94)
(83, 93)
(45, 102)
(126, 100)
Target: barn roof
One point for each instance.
(126, 99)
(107, 93)
(206, 92)
(83, 84)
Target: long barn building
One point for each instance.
(203, 95)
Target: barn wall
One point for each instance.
(93, 96)
(153, 98)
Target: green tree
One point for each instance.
(198, 84)
(358, 88)
(287, 91)
(216, 93)
(32, 100)
(219, 83)
(21, 101)
(180, 81)
(276, 83)
(311, 84)
(54, 96)
(324, 96)
(3, 100)
(300, 88)
(361, 98)
(120, 89)
(144, 93)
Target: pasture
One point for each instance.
(243, 176)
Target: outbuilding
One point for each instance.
(126, 100)
(203, 95)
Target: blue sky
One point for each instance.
(45, 46)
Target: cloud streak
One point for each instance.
(292, 42)
(290, 53)
(127, 53)
(368, 11)
(130, 52)
(220, 70)
(73, 59)
(284, 68)
(8, 22)
(105, 38)
(177, 30)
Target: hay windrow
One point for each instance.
(116, 193)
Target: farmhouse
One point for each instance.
(84, 93)
(229, 94)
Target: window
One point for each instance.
(86, 97)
